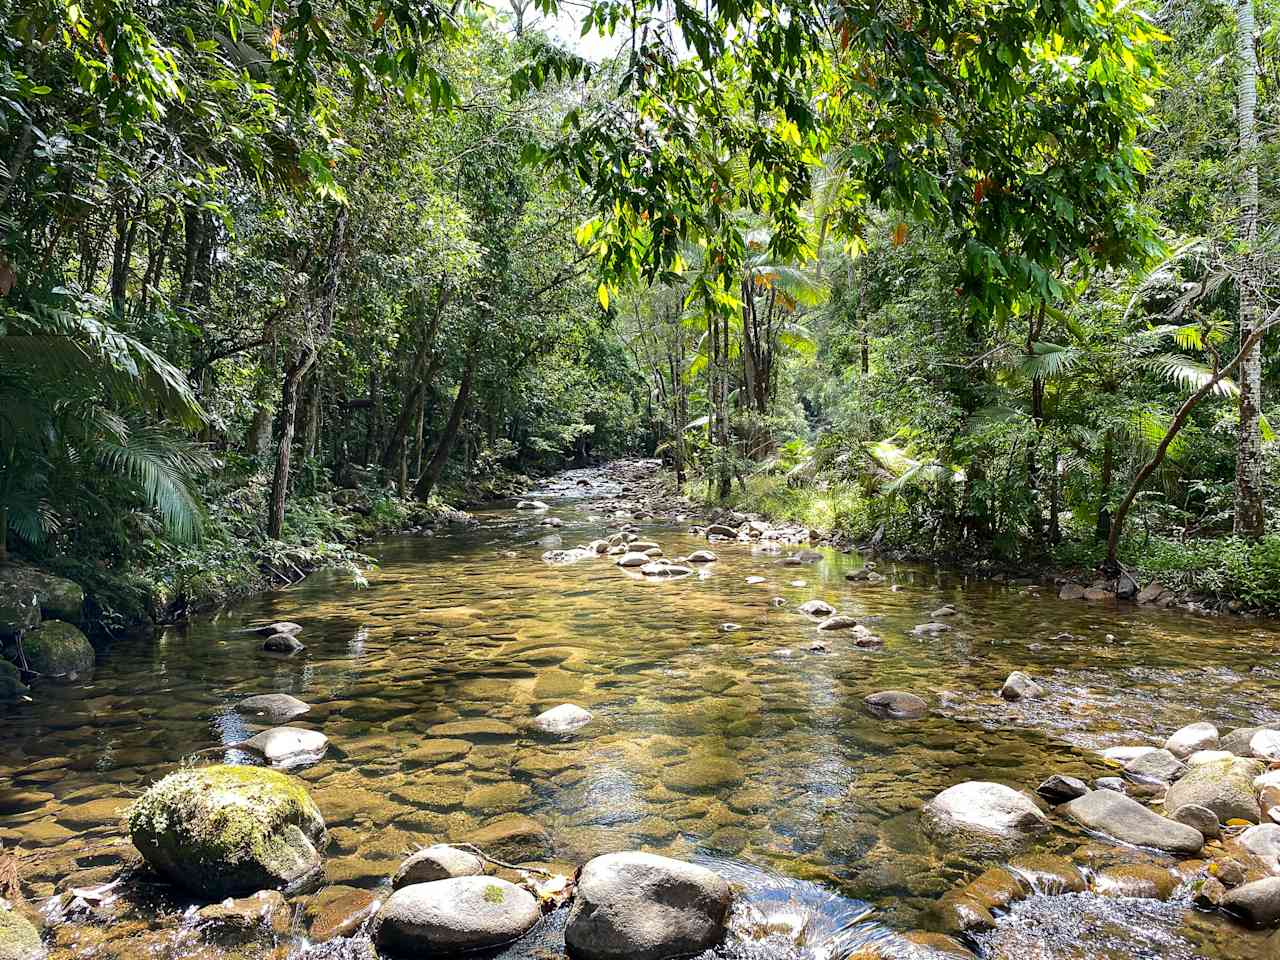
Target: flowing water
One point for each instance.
(742, 749)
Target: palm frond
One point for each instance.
(1048, 361)
(163, 466)
(1191, 374)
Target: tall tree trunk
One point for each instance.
(1250, 520)
(374, 416)
(427, 482)
(322, 309)
(311, 422)
(1102, 531)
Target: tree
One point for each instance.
(1250, 518)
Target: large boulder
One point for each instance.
(638, 906)
(225, 831)
(19, 609)
(1192, 737)
(456, 915)
(983, 814)
(19, 939)
(1223, 786)
(58, 650)
(1124, 818)
(56, 597)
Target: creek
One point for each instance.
(742, 750)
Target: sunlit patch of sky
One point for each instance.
(566, 26)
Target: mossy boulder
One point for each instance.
(57, 597)
(58, 650)
(19, 608)
(19, 939)
(226, 831)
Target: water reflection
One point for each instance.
(703, 742)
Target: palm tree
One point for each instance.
(72, 389)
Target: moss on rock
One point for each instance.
(57, 649)
(19, 608)
(229, 830)
(11, 685)
(19, 939)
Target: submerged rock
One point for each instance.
(638, 906)
(1071, 591)
(457, 915)
(1126, 819)
(514, 838)
(982, 811)
(266, 912)
(289, 746)
(1144, 880)
(273, 707)
(531, 505)
(11, 685)
(896, 704)
(838, 621)
(562, 719)
(58, 650)
(1223, 786)
(438, 862)
(1192, 737)
(928, 629)
(1018, 686)
(228, 831)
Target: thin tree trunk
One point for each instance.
(322, 309)
(1250, 520)
(428, 481)
(1102, 531)
(1112, 563)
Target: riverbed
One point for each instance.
(742, 748)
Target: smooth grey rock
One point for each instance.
(1237, 741)
(896, 704)
(1263, 842)
(1059, 789)
(702, 556)
(1018, 686)
(1115, 784)
(1208, 756)
(1224, 786)
(632, 559)
(1123, 755)
(531, 505)
(1257, 902)
(1192, 737)
(452, 916)
(1126, 819)
(289, 746)
(638, 906)
(437, 862)
(1156, 766)
(1202, 818)
(562, 719)
(1071, 591)
(983, 812)
(816, 608)
(279, 626)
(1265, 745)
(272, 707)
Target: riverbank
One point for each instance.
(1204, 575)
(161, 582)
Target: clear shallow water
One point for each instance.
(706, 745)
